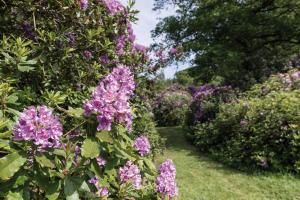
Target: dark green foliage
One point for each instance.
(241, 41)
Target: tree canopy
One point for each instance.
(242, 41)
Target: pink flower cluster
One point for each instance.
(131, 35)
(110, 99)
(102, 191)
(173, 50)
(120, 45)
(114, 6)
(142, 145)
(84, 4)
(101, 162)
(38, 124)
(137, 48)
(165, 182)
(130, 173)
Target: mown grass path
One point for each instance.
(200, 178)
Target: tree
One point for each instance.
(243, 41)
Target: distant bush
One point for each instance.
(171, 106)
(206, 101)
(260, 130)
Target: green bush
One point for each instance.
(255, 132)
(171, 106)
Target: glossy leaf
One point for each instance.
(10, 164)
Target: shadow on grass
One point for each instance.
(176, 141)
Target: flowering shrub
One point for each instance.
(206, 101)
(53, 53)
(77, 160)
(171, 106)
(259, 130)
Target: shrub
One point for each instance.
(171, 106)
(56, 141)
(257, 131)
(206, 101)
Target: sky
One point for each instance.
(147, 22)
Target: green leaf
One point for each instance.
(10, 164)
(21, 180)
(44, 161)
(22, 68)
(104, 136)
(75, 112)
(59, 152)
(150, 164)
(72, 184)
(90, 148)
(14, 196)
(53, 190)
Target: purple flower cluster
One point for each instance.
(166, 181)
(102, 191)
(142, 145)
(84, 4)
(296, 75)
(28, 30)
(131, 35)
(110, 99)
(71, 38)
(173, 50)
(137, 48)
(114, 6)
(161, 56)
(38, 124)
(104, 59)
(101, 161)
(87, 55)
(208, 89)
(120, 45)
(130, 173)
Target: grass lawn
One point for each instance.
(199, 177)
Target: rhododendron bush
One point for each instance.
(257, 130)
(171, 105)
(71, 79)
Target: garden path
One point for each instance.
(199, 177)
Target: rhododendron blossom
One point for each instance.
(131, 35)
(166, 181)
(84, 4)
(120, 45)
(102, 191)
(88, 55)
(173, 50)
(130, 173)
(110, 99)
(142, 145)
(114, 6)
(101, 162)
(137, 48)
(38, 124)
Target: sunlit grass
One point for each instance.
(199, 177)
